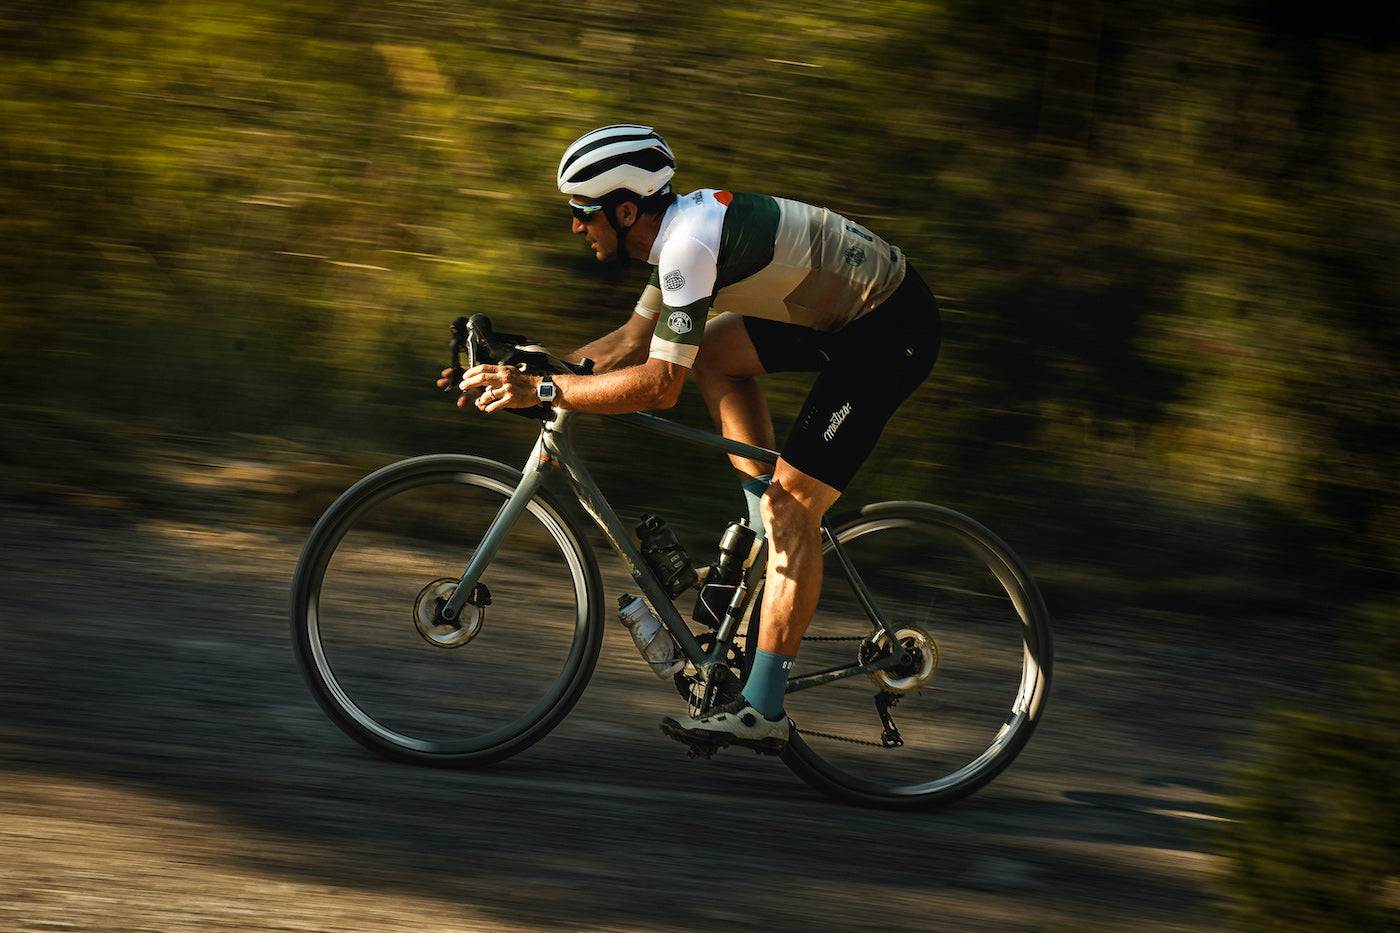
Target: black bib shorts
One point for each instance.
(865, 372)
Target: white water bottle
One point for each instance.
(654, 642)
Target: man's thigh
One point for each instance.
(726, 349)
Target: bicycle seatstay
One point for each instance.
(897, 655)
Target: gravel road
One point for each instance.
(163, 768)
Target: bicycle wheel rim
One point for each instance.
(371, 668)
(958, 594)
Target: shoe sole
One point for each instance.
(703, 744)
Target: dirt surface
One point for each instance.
(163, 768)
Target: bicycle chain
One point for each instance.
(848, 739)
(842, 738)
(861, 657)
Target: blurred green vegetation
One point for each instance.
(1164, 235)
(1313, 838)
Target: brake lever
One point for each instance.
(461, 335)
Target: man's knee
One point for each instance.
(795, 504)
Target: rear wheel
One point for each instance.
(383, 663)
(961, 707)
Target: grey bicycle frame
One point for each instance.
(554, 450)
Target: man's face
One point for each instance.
(590, 223)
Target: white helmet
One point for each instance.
(616, 157)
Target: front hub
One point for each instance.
(440, 632)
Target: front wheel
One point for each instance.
(964, 703)
(374, 649)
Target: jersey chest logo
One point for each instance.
(673, 282)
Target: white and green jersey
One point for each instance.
(760, 257)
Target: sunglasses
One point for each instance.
(583, 213)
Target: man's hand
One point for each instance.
(446, 384)
(493, 387)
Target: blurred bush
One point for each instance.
(1313, 841)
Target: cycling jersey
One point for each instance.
(761, 257)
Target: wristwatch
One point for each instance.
(547, 390)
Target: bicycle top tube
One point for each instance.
(696, 436)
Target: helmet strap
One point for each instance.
(610, 205)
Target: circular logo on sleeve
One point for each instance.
(679, 322)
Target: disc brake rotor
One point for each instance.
(913, 674)
(427, 616)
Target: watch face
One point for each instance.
(546, 390)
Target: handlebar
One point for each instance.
(482, 344)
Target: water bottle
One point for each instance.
(665, 555)
(723, 576)
(654, 642)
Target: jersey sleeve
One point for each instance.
(687, 274)
(650, 305)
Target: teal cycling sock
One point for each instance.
(767, 683)
(754, 488)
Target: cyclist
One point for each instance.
(796, 288)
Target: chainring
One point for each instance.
(700, 697)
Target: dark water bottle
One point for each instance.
(723, 576)
(664, 554)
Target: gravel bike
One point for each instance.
(449, 610)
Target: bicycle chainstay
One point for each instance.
(884, 701)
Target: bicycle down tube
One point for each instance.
(591, 498)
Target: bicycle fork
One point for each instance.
(470, 590)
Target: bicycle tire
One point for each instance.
(940, 578)
(409, 530)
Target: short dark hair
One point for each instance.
(653, 204)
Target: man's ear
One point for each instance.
(627, 213)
